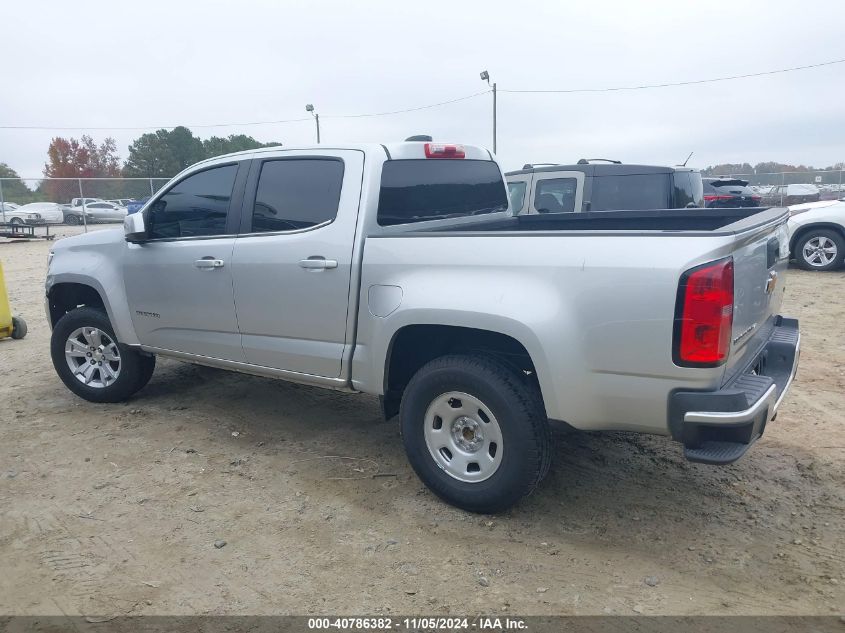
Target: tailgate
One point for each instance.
(760, 261)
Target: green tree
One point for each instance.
(163, 153)
(14, 190)
(217, 146)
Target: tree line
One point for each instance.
(769, 173)
(160, 154)
(164, 153)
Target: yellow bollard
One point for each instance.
(9, 325)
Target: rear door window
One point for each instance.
(433, 189)
(296, 194)
(631, 192)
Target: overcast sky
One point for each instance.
(100, 64)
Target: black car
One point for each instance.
(603, 185)
(724, 193)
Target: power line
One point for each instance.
(148, 127)
(426, 107)
(684, 83)
(243, 124)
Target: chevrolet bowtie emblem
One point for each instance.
(771, 283)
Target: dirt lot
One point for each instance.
(115, 509)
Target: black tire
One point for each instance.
(17, 221)
(136, 369)
(18, 327)
(72, 220)
(812, 234)
(517, 406)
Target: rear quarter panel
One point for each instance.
(594, 310)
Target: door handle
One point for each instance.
(316, 262)
(208, 262)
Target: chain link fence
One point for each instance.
(793, 187)
(45, 201)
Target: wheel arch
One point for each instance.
(414, 345)
(64, 297)
(68, 291)
(804, 229)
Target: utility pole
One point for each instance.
(485, 76)
(310, 108)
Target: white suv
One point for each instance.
(817, 234)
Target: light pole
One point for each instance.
(485, 76)
(310, 108)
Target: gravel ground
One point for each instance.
(214, 492)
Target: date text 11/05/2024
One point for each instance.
(419, 623)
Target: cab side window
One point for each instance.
(296, 194)
(516, 192)
(196, 206)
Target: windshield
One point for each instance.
(420, 190)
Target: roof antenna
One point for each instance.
(684, 164)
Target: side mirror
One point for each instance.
(134, 229)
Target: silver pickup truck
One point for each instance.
(398, 270)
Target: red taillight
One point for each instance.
(704, 315)
(711, 198)
(444, 150)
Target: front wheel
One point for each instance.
(72, 220)
(92, 363)
(475, 432)
(820, 249)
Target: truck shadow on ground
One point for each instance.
(613, 487)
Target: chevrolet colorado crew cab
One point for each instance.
(400, 270)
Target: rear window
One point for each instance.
(737, 187)
(433, 189)
(634, 192)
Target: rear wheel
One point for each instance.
(71, 219)
(475, 432)
(92, 363)
(820, 249)
(16, 221)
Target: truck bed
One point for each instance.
(695, 221)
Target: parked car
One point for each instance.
(136, 205)
(606, 186)
(6, 211)
(36, 213)
(397, 270)
(721, 193)
(103, 211)
(78, 202)
(74, 215)
(786, 195)
(817, 234)
(122, 202)
(10, 214)
(42, 213)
